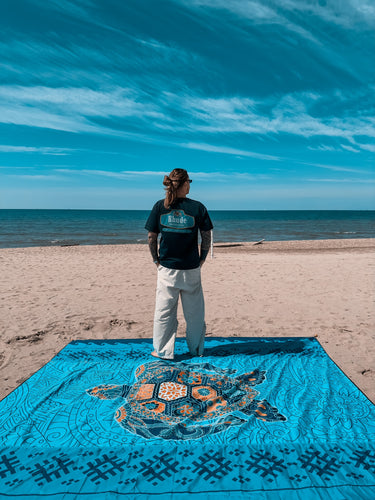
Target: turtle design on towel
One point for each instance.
(183, 401)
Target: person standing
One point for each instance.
(178, 219)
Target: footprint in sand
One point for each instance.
(121, 322)
(35, 337)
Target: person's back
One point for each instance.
(179, 226)
(178, 219)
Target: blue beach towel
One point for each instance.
(264, 418)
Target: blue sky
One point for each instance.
(267, 104)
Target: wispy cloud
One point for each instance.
(339, 181)
(321, 26)
(116, 102)
(323, 147)
(293, 113)
(31, 149)
(72, 109)
(227, 151)
(36, 177)
(367, 147)
(76, 8)
(76, 61)
(227, 176)
(142, 174)
(124, 112)
(336, 168)
(254, 12)
(123, 175)
(349, 148)
(346, 13)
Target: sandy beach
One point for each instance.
(52, 295)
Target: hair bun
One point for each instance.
(167, 181)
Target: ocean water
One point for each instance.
(27, 228)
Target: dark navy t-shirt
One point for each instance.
(179, 227)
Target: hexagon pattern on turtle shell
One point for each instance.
(187, 401)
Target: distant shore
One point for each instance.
(324, 288)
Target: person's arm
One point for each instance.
(205, 245)
(153, 246)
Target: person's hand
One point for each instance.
(201, 263)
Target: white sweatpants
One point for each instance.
(172, 284)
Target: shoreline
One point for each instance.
(299, 245)
(248, 246)
(299, 288)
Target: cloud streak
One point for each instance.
(210, 148)
(122, 111)
(339, 181)
(31, 149)
(346, 14)
(138, 175)
(74, 8)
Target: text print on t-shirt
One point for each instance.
(177, 220)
